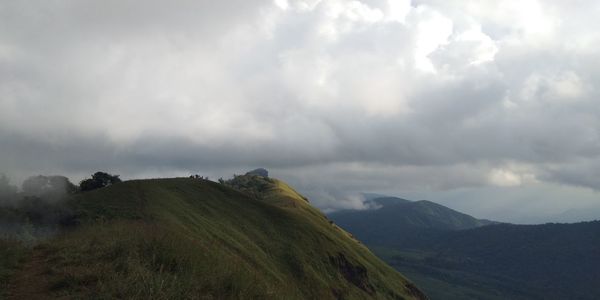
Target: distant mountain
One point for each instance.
(396, 221)
(455, 256)
(573, 215)
(251, 237)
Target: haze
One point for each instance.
(489, 107)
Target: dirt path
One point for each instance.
(31, 282)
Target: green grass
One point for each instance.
(194, 239)
(12, 255)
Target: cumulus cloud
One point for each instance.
(337, 96)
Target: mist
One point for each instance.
(37, 210)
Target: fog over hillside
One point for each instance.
(489, 107)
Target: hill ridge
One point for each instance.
(264, 241)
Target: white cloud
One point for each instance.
(565, 86)
(282, 4)
(568, 86)
(484, 48)
(432, 32)
(502, 177)
(508, 176)
(398, 10)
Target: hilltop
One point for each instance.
(250, 237)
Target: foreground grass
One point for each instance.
(138, 260)
(12, 255)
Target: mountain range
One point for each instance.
(452, 255)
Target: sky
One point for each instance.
(489, 107)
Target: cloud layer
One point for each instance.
(335, 96)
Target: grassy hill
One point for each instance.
(251, 238)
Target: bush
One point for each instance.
(98, 180)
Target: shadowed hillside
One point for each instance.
(192, 238)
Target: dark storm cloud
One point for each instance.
(336, 96)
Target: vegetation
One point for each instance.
(8, 192)
(5, 187)
(12, 255)
(49, 187)
(98, 180)
(253, 185)
(190, 238)
(37, 211)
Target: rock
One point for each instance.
(259, 172)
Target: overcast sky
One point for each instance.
(490, 107)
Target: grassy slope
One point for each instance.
(12, 254)
(189, 238)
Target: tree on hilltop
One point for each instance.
(98, 180)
